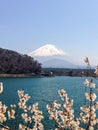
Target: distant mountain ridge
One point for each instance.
(58, 63)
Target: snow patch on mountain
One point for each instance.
(47, 50)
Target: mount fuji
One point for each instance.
(50, 56)
(47, 50)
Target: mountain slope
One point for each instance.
(58, 63)
(47, 50)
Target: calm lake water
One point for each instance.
(44, 91)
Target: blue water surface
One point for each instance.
(44, 91)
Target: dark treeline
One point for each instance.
(68, 72)
(12, 62)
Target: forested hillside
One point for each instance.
(12, 62)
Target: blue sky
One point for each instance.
(71, 25)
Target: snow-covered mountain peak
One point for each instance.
(47, 50)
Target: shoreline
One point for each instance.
(18, 75)
(51, 73)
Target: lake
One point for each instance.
(44, 91)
